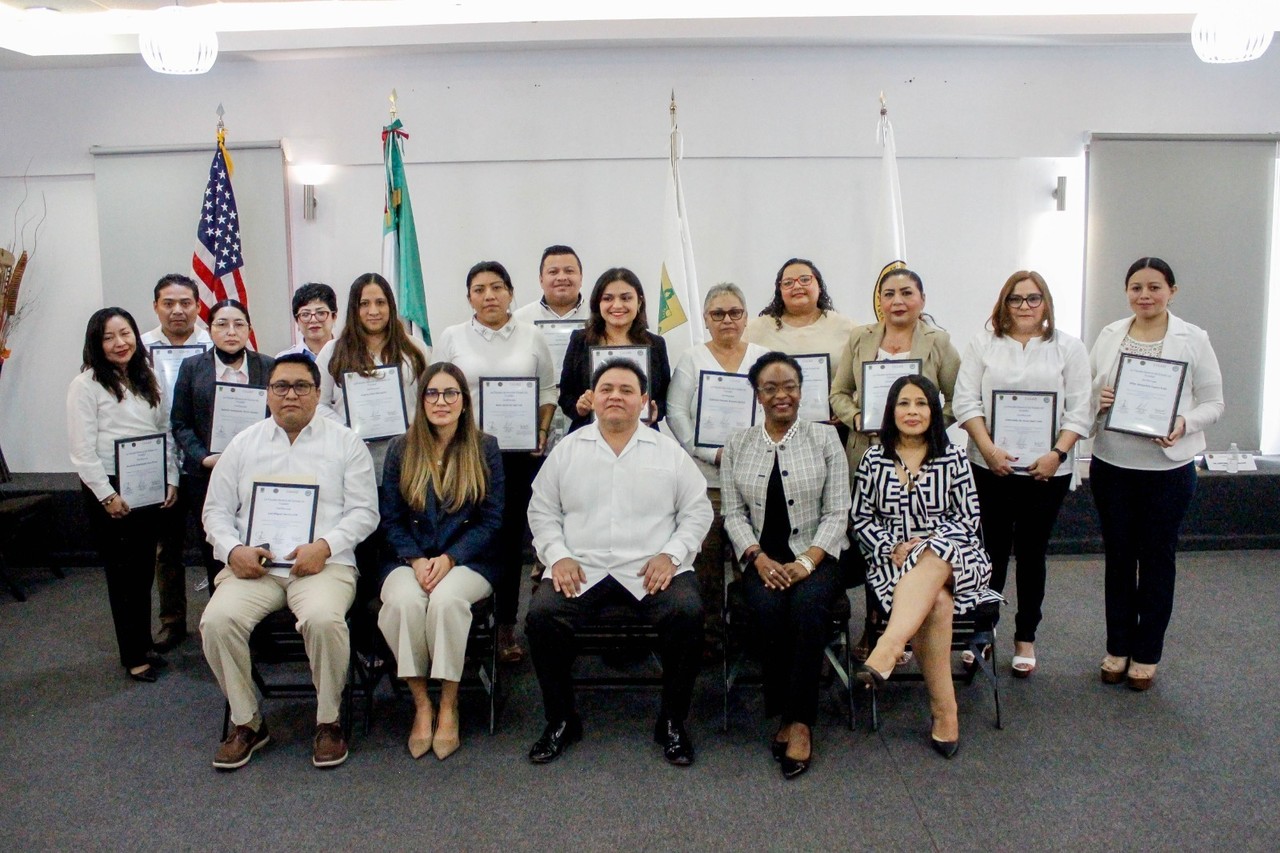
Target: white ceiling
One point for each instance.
(104, 32)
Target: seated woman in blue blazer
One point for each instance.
(441, 505)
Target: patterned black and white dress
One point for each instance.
(941, 504)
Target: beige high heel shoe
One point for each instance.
(420, 746)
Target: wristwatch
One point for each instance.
(1062, 455)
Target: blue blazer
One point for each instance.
(192, 413)
(469, 536)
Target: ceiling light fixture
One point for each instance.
(1231, 33)
(174, 41)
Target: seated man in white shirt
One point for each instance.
(315, 308)
(618, 513)
(292, 446)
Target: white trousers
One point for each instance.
(319, 601)
(422, 629)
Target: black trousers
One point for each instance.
(171, 567)
(127, 547)
(1018, 514)
(554, 620)
(196, 488)
(790, 629)
(1140, 513)
(518, 469)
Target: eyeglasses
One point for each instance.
(770, 389)
(718, 315)
(223, 325)
(320, 314)
(1035, 300)
(798, 281)
(302, 389)
(451, 395)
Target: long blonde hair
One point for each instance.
(462, 478)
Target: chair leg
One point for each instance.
(226, 719)
(15, 588)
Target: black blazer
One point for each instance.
(469, 536)
(192, 414)
(575, 377)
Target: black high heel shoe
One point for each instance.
(146, 676)
(793, 767)
(872, 677)
(946, 748)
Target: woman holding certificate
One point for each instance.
(618, 328)
(1157, 387)
(441, 505)
(118, 433)
(721, 366)
(1023, 394)
(510, 373)
(915, 514)
(785, 487)
(216, 396)
(369, 374)
(866, 368)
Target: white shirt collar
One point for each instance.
(489, 334)
(553, 311)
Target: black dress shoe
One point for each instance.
(793, 767)
(171, 636)
(677, 748)
(146, 676)
(555, 739)
(778, 748)
(946, 748)
(155, 660)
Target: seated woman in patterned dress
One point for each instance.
(915, 514)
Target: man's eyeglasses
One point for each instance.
(1013, 300)
(718, 315)
(282, 389)
(798, 281)
(320, 314)
(451, 395)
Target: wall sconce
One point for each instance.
(309, 202)
(1060, 192)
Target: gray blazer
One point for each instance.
(815, 480)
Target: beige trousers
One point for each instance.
(433, 628)
(319, 601)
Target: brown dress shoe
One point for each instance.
(329, 748)
(240, 746)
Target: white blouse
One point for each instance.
(517, 349)
(332, 403)
(994, 363)
(95, 419)
(682, 401)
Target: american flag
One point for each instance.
(218, 260)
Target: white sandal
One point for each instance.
(1023, 666)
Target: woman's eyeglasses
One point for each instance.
(451, 395)
(1013, 300)
(798, 281)
(718, 315)
(320, 314)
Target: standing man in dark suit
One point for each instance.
(192, 415)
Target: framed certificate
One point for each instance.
(282, 516)
(235, 407)
(726, 402)
(509, 410)
(815, 381)
(166, 360)
(877, 378)
(1024, 424)
(556, 333)
(375, 403)
(638, 354)
(1147, 392)
(142, 469)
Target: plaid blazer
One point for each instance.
(815, 481)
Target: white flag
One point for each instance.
(890, 243)
(680, 305)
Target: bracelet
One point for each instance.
(804, 560)
(109, 498)
(749, 558)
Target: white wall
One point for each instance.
(512, 150)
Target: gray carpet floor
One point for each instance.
(92, 761)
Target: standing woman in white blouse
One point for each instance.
(493, 343)
(1020, 498)
(1143, 486)
(372, 336)
(116, 396)
(725, 313)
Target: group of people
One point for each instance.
(617, 510)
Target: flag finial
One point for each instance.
(392, 99)
(672, 108)
(884, 108)
(221, 112)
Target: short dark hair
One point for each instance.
(296, 358)
(558, 250)
(623, 364)
(310, 292)
(183, 281)
(229, 303)
(775, 357)
(936, 438)
(1156, 264)
(494, 267)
